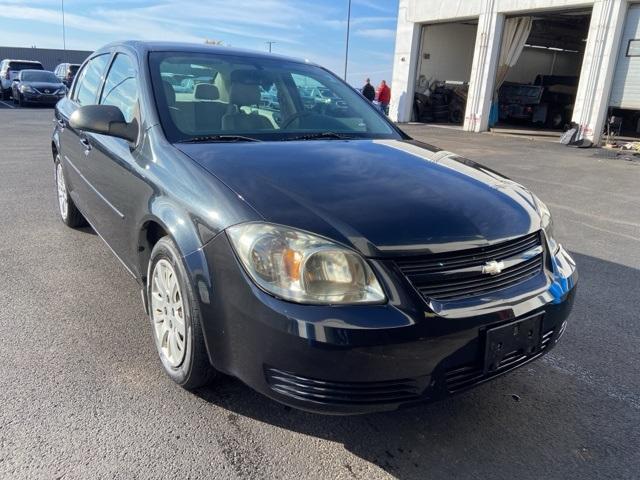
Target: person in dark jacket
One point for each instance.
(368, 91)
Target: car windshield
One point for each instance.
(17, 66)
(38, 76)
(219, 97)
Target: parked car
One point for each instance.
(269, 98)
(334, 269)
(66, 72)
(37, 87)
(9, 70)
(327, 98)
(548, 102)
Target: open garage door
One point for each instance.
(538, 91)
(444, 69)
(624, 103)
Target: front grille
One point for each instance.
(344, 393)
(460, 378)
(456, 275)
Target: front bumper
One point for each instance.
(41, 98)
(360, 359)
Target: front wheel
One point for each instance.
(176, 319)
(69, 213)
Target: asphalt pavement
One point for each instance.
(83, 395)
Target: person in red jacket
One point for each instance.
(383, 96)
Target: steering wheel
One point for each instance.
(296, 116)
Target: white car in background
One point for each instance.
(9, 70)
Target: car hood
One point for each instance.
(382, 197)
(44, 85)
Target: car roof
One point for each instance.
(146, 46)
(27, 70)
(35, 62)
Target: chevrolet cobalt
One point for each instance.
(314, 251)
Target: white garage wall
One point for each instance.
(534, 61)
(444, 43)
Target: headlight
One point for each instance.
(26, 88)
(547, 223)
(303, 268)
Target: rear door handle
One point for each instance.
(85, 143)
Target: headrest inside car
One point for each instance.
(206, 91)
(244, 94)
(251, 77)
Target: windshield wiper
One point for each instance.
(218, 138)
(322, 136)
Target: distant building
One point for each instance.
(586, 49)
(49, 58)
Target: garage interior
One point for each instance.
(443, 73)
(536, 88)
(536, 84)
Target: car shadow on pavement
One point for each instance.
(549, 419)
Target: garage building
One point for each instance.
(544, 63)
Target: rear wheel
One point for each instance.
(68, 211)
(176, 319)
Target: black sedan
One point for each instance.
(37, 87)
(330, 262)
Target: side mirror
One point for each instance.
(104, 119)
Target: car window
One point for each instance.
(17, 66)
(121, 87)
(38, 76)
(201, 94)
(86, 90)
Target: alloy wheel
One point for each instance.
(168, 315)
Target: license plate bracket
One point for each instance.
(507, 343)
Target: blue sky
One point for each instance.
(301, 28)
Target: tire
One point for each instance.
(189, 366)
(70, 215)
(555, 119)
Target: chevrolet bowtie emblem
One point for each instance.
(493, 267)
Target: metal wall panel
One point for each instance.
(625, 90)
(49, 58)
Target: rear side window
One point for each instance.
(121, 87)
(17, 66)
(86, 90)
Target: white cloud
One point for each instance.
(377, 33)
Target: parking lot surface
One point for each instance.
(82, 393)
